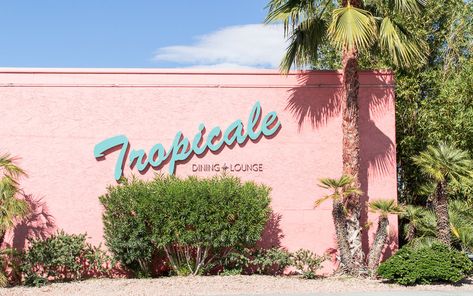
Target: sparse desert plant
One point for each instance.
(307, 263)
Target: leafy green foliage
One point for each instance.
(193, 221)
(127, 230)
(63, 257)
(420, 225)
(426, 265)
(12, 208)
(434, 102)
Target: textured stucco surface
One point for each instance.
(52, 119)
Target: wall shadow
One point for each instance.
(272, 233)
(316, 108)
(377, 150)
(38, 224)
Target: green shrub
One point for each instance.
(425, 265)
(193, 221)
(62, 257)
(127, 230)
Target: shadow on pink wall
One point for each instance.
(272, 233)
(316, 109)
(38, 224)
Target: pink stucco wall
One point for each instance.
(53, 118)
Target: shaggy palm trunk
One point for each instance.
(378, 243)
(411, 232)
(339, 219)
(351, 152)
(441, 211)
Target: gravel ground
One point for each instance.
(237, 285)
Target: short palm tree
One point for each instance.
(414, 217)
(11, 207)
(352, 27)
(443, 164)
(341, 189)
(383, 207)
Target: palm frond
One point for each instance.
(384, 207)
(341, 189)
(289, 12)
(329, 183)
(352, 27)
(304, 45)
(9, 167)
(445, 161)
(407, 6)
(404, 49)
(319, 201)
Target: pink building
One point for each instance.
(54, 118)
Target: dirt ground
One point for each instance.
(229, 285)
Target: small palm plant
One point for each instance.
(383, 207)
(341, 190)
(11, 208)
(444, 164)
(415, 218)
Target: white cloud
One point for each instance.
(246, 46)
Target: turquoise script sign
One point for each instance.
(182, 149)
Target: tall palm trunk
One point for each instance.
(351, 149)
(441, 211)
(378, 243)
(339, 219)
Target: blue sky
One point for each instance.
(137, 33)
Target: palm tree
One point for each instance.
(352, 27)
(444, 164)
(11, 207)
(383, 207)
(341, 189)
(415, 217)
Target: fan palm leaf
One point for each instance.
(341, 189)
(404, 49)
(384, 207)
(444, 162)
(352, 27)
(304, 43)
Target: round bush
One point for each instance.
(194, 221)
(424, 265)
